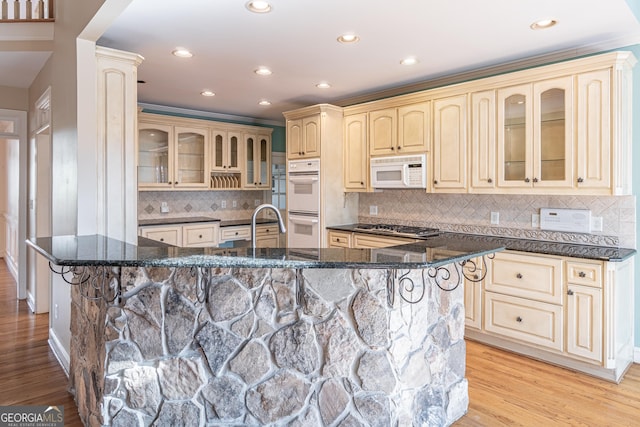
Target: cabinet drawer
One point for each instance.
(199, 235)
(235, 233)
(371, 241)
(585, 273)
(339, 239)
(168, 235)
(527, 321)
(267, 230)
(526, 276)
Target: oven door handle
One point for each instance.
(303, 179)
(302, 220)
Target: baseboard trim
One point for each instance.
(31, 303)
(59, 351)
(636, 355)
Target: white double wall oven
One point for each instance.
(303, 210)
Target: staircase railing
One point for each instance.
(26, 11)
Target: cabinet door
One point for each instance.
(168, 235)
(593, 169)
(356, 159)
(154, 167)
(450, 144)
(263, 161)
(553, 133)
(339, 239)
(413, 128)
(294, 139)
(383, 132)
(218, 152)
(473, 295)
(584, 322)
(311, 136)
(200, 235)
(483, 140)
(191, 149)
(233, 151)
(515, 137)
(268, 236)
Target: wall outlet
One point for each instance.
(535, 221)
(164, 207)
(373, 210)
(234, 204)
(495, 218)
(55, 311)
(596, 223)
(223, 204)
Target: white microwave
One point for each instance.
(399, 171)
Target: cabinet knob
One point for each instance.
(169, 182)
(236, 233)
(393, 148)
(176, 183)
(267, 230)
(519, 319)
(362, 183)
(162, 239)
(582, 274)
(519, 276)
(535, 179)
(580, 180)
(526, 180)
(489, 180)
(200, 236)
(399, 148)
(435, 181)
(569, 292)
(476, 277)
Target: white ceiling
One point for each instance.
(297, 40)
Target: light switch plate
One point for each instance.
(495, 218)
(373, 210)
(568, 220)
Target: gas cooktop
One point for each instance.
(398, 230)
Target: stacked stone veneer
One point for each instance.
(316, 347)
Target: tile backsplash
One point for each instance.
(471, 213)
(215, 204)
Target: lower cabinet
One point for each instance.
(198, 235)
(568, 311)
(348, 239)
(267, 236)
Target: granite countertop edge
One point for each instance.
(573, 250)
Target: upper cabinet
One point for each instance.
(356, 153)
(225, 152)
(303, 137)
(180, 153)
(172, 156)
(482, 149)
(450, 144)
(399, 130)
(257, 162)
(535, 134)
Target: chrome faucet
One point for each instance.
(253, 221)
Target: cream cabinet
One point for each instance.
(239, 232)
(356, 153)
(194, 235)
(535, 134)
(339, 239)
(267, 236)
(473, 291)
(482, 150)
(399, 130)
(257, 162)
(450, 144)
(569, 311)
(225, 152)
(171, 235)
(371, 241)
(303, 137)
(172, 156)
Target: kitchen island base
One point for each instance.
(270, 346)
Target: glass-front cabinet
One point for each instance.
(257, 161)
(153, 154)
(171, 157)
(226, 151)
(535, 147)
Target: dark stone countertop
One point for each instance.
(196, 219)
(238, 222)
(602, 253)
(99, 250)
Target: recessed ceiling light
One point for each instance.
(207, 93)
(264, 102)
(259, 6)
(323, 85)
(263, 71)
(543, 23)
(348, 38)
(411, 60)
(181, 52)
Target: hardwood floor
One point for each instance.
(504, 389)
(29, 372)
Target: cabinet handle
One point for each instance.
(489, 180)
(362, 183)
(200, 236)
(303, 153)
(399, 148)
(476, 277)
(236, 233)
(569, 292)
(535, 179)
(176, 183)
(519, 276)
(162, 239)
(435, 181)
(582, 274)
(267, 230)
(526, 180)
(519, 319)
(169, 182)
(580, 180)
